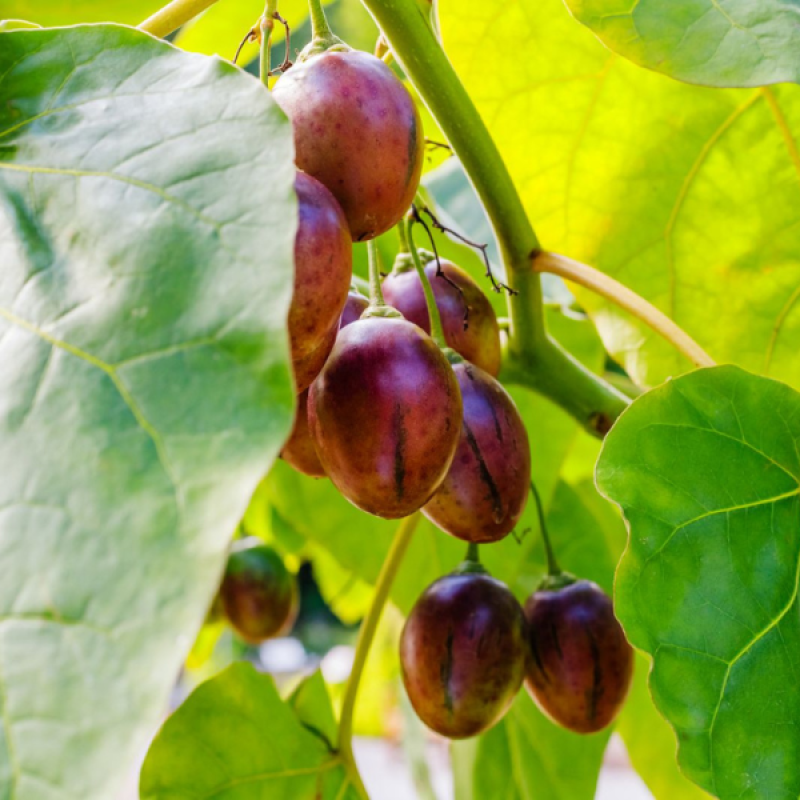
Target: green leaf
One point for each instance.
(527, 757)
(706, 471)
(312, 706)
(740, 43)
(235, 738)
(145, 386)
(690, 196)
(651, 743)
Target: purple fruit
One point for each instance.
(463, 653)
(486, 488)
(385, 414)
(356, 129)
(581, 664)
(259, 595)
(299, 450)
(323, 270)
(479, 342)
(355, 305)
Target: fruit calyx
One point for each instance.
(471, 565)
(404, 261)
(384, 311)
(554, 583)
(322, 37)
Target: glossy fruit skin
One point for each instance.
(463, 653)
(356, 129)
(259, 595)
(385, 414)
(487, 485)
(581, 664)
(323, 256)
(299, 450)
(355, 305)
(480, 342)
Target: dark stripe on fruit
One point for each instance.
(399, 451)
(412, 149)
(556, 643)
(498, 431)
(597, 675)
(538, 659)
(485, 475)
(446, 672)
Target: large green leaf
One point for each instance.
(234, 738)
(738, 43)
(146, 239)
(706, 471)
(690, 196)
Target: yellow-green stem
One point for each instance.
(172, 16)
(391, 565)
(267, 24)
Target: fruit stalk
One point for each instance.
(552, 565)
(375, 291)
(320, 29)
(535, 360)
(437, 331)
(173, 15)
(391, 565)
(267, 23)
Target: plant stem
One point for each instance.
(472, 553)
(614, 291)
(538, 362)
(401, 235)
(172, 16)
(437, 331)
(375, 291)
(267, 24)
(552, 564)
(320, 29)
(391, 565)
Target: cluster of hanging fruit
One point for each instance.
(399, 406)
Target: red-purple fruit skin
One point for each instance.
(581, 664)
(259, 595)
(487, 485)
(463, 654)
(323, 256)
(356, 129)
(299, 450)
(385, 414)
(480, 342)
(355, 305)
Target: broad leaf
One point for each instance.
(738, 43)
(235, 738)
(690, 196)
(706, 471)
(146, 241)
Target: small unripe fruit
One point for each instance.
(581, 664)
(259, 595)
(385, 414)
(299, 450)
(486, 488)
(479, 341)
(463, 654)
(323, 270)
(358, 131)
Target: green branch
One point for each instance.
(533, 358)
(391, 565)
